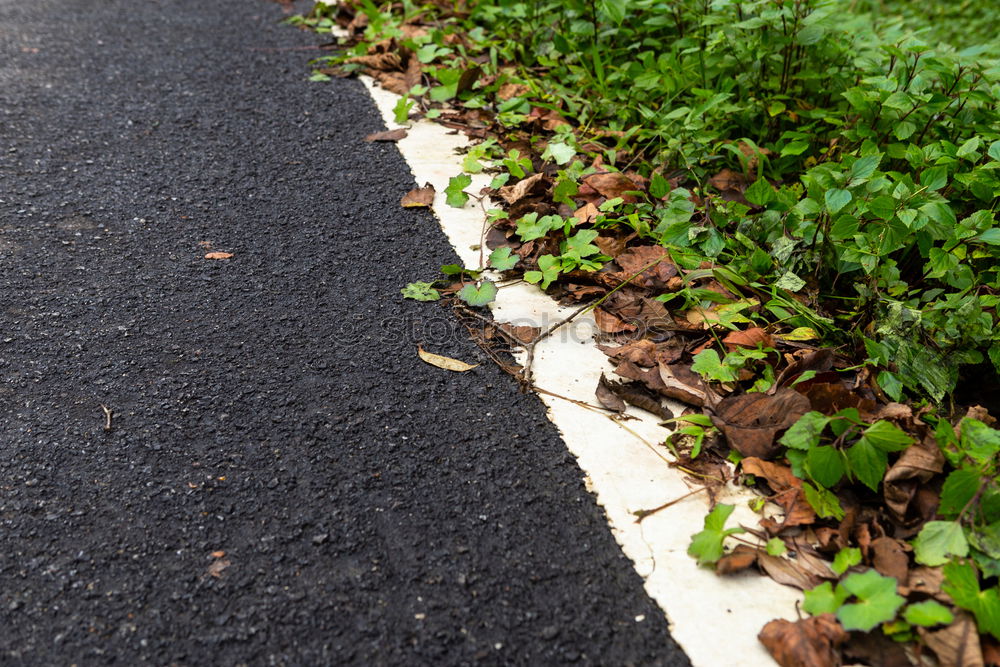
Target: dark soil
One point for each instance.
(372, 509)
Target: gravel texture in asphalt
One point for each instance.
(283, 482)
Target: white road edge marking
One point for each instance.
(714, 619)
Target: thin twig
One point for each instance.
(642, 514)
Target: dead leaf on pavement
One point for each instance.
(218, 255)
(751, 422)
(388, 135)
(447, 363)
(607, 397)
(958, 644)
(418, 197)
(218, 566)
(535, 184)
(808, 642)
(796, 573)
(737, 560)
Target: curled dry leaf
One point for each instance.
(635, 394)
(535, 184)
(388, 135)
(522, 333)
(808, 642)
(802, 574)
(680, 383)
(611, 185)
(418, 197)
(890, 559)
(749, 338)
(607, 397)
(218, 255)
(751, 422)
(447, 363)
(916, 465)
(737, 560)
(874, 648)
(218, 566)
(610, 323)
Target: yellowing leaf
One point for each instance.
(801, 333)
(447, 363)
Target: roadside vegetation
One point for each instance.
(784, 214)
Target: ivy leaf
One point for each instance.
(502, 260)
(824, 599)
(825, 465)
(877, 602)
(706, 546)
(938, 541)
(928, 613)
(804, 434)
(531, 227)
(579, 245)
(454, 192)
(959, 488)
(478, 296)
(708, 365)
(420, 291)
(845, 559)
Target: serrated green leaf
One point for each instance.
(877, 602)
(825, 465)
(959, 488)
(928, 614)
(994, 151)
(805, 433)
(501, 259)
(478, 296)
(559, 152)
(836, 199)
(962, 584)
(708, 365)
(455, 195)
(824, 503)
(659, 187)
(868, 463)
(939, 541)
(824, 599)
(789, 281)
(887, 436)
(845, 559)
(760, 192)
(420, 291)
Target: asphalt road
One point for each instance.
(284, 482)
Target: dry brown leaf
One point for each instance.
(779, 477)
(681, 383)
(447, 363)
(522, 333)
(218, 567)
(218, 554)
(637, 395)
(609, 245)
(728, 180)
(790, 573)
(388, 135)
(890, 559)
(587, 213)
(610, 323)
(418, 197)
(535, 184)
(607, 397)
(218, 255)
(958, 644)
(751, 422)
(737, 560)
(808, 642)
(613, 184)
(916, 465)
(874, 648)
(748, 338)
(640, 352)
(511, 90)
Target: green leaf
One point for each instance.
(939, 541)
(531, 227)
(706, 546)
(824, 503)
(994, 151)
(455, 195)
(837, 199)
(845, 559)
(478, 296)
(863, 168)
(962, 584)
(776, 546)
(420, 291)
(868, 463)
(775, 108)
(794, 148)
(959, 488)
(825, 465)
(934, 178)
(990, 236)
(659, 187)
(708, 365)
(824, 599)
(928, 613)
(970, 149)
(401, 112)
(886, 436)
(760, 192)
(805, 433)
(614, 10)
(549, 266)
(501, 259)
(877, 602)
(789, 281)
(559, 152)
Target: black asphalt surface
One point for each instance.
(373, 510)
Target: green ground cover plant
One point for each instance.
(783, 205)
